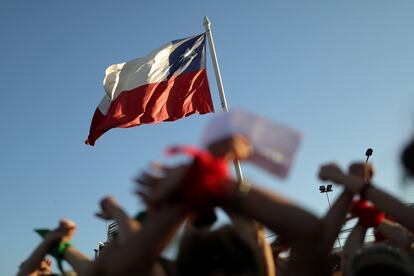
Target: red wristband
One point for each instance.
(370, 216)
(357, 206)
(206, 182)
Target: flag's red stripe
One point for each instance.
(178, 97)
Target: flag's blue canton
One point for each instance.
(188, 57)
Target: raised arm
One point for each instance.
(30, 266)
(279, 214)
(267, 251)
(63, 233)
(80, 263)
(336, 215)
(110, 209)
(382, 200)
(142, 248)
(334, 219)
(353, 243)
(393, 207)
(396, 234)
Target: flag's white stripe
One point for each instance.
(126, 76)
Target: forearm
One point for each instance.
(354, 241)
(34, 260)
(395, 233)
(382, 201)
(126, 225)
(79, 262)
(280, 215)
(335, 218)
(268, 255)
(393, 207)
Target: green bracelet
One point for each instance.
(62, 247)
(57, 250)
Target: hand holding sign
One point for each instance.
(269, 145)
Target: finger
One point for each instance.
(102, 216)
(140, 180)
(66, 224)
(108, 200)
(151, 176)
(141, 193)
(177, 172)
(160, 168)
(143, 183)
(145, 197)
(147, 179)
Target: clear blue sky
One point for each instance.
(339, 71)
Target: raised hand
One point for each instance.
(45, 267)
(161, 185)
(108, 205)
(63, 233)
(331, 172)
(232, 147)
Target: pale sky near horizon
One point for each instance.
(341, 72)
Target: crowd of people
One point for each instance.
(190, 193)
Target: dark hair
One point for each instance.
(378, 270)
(381, 260)
(407, 158)
(204, 252)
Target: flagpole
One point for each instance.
(207, 26)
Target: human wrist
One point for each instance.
(117, 213)
(62, 247)
(364, 190)
(342, 178)
(371, 217)
(353, 184)
(52, 239)
(240, 193)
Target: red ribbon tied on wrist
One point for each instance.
(357, 206)
(369, 216)
(206, 181)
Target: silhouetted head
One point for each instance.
(218, 252)
(380, 260)
(407, 158)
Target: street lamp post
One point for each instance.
(327, 190)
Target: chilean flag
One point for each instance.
(168, 84)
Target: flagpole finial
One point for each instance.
(207, 23)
